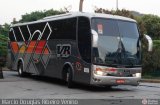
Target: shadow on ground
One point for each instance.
(64, 84)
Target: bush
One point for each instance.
(151, 60)
(3, 50)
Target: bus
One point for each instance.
(88, 48)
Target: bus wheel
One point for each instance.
(69, 78)
(20, 70)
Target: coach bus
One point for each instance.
(87, 48)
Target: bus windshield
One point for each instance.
(118, 43)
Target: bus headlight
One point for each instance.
(137, 75)
(99, 71)
(104, 71)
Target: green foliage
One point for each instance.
(152, 25)
(122, 12)
(33, 16)
(3, 45)
(156, 44)
(151, 61)
(141, 25)
(4, 29)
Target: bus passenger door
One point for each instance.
(84, 46)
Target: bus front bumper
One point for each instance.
(114, 81)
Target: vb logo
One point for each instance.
(63, 50)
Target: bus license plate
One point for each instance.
(120, 81)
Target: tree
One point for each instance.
(3, 45)
(4, 29)
(33, 16)
(152, 25)
(122, 12)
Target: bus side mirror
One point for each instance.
(94, 38)
(150, 42)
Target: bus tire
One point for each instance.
(69, 76)
(21, 73)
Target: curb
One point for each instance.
(150, 80)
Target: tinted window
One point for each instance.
(34, 27)
(84, 38)
(110, 49)
(11, 36)
(25, 32)
(36, 36)
(18, 34)
(128, 29)
(46, 33)
(105, 27)
(111, 27)
(64, 29)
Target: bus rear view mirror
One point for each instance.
(95, 38)
(150, 42)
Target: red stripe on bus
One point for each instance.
(40, 47)
(15, 47)
(31, 47)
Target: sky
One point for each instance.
(10, 9)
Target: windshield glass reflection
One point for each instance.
(118, 43)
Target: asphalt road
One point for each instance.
(12, 86)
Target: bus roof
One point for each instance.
(76, 14)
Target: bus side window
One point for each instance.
(36, 30)
(84, 38)
(25, 32)
(18, 34)
(64, 29)
(11, 36)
